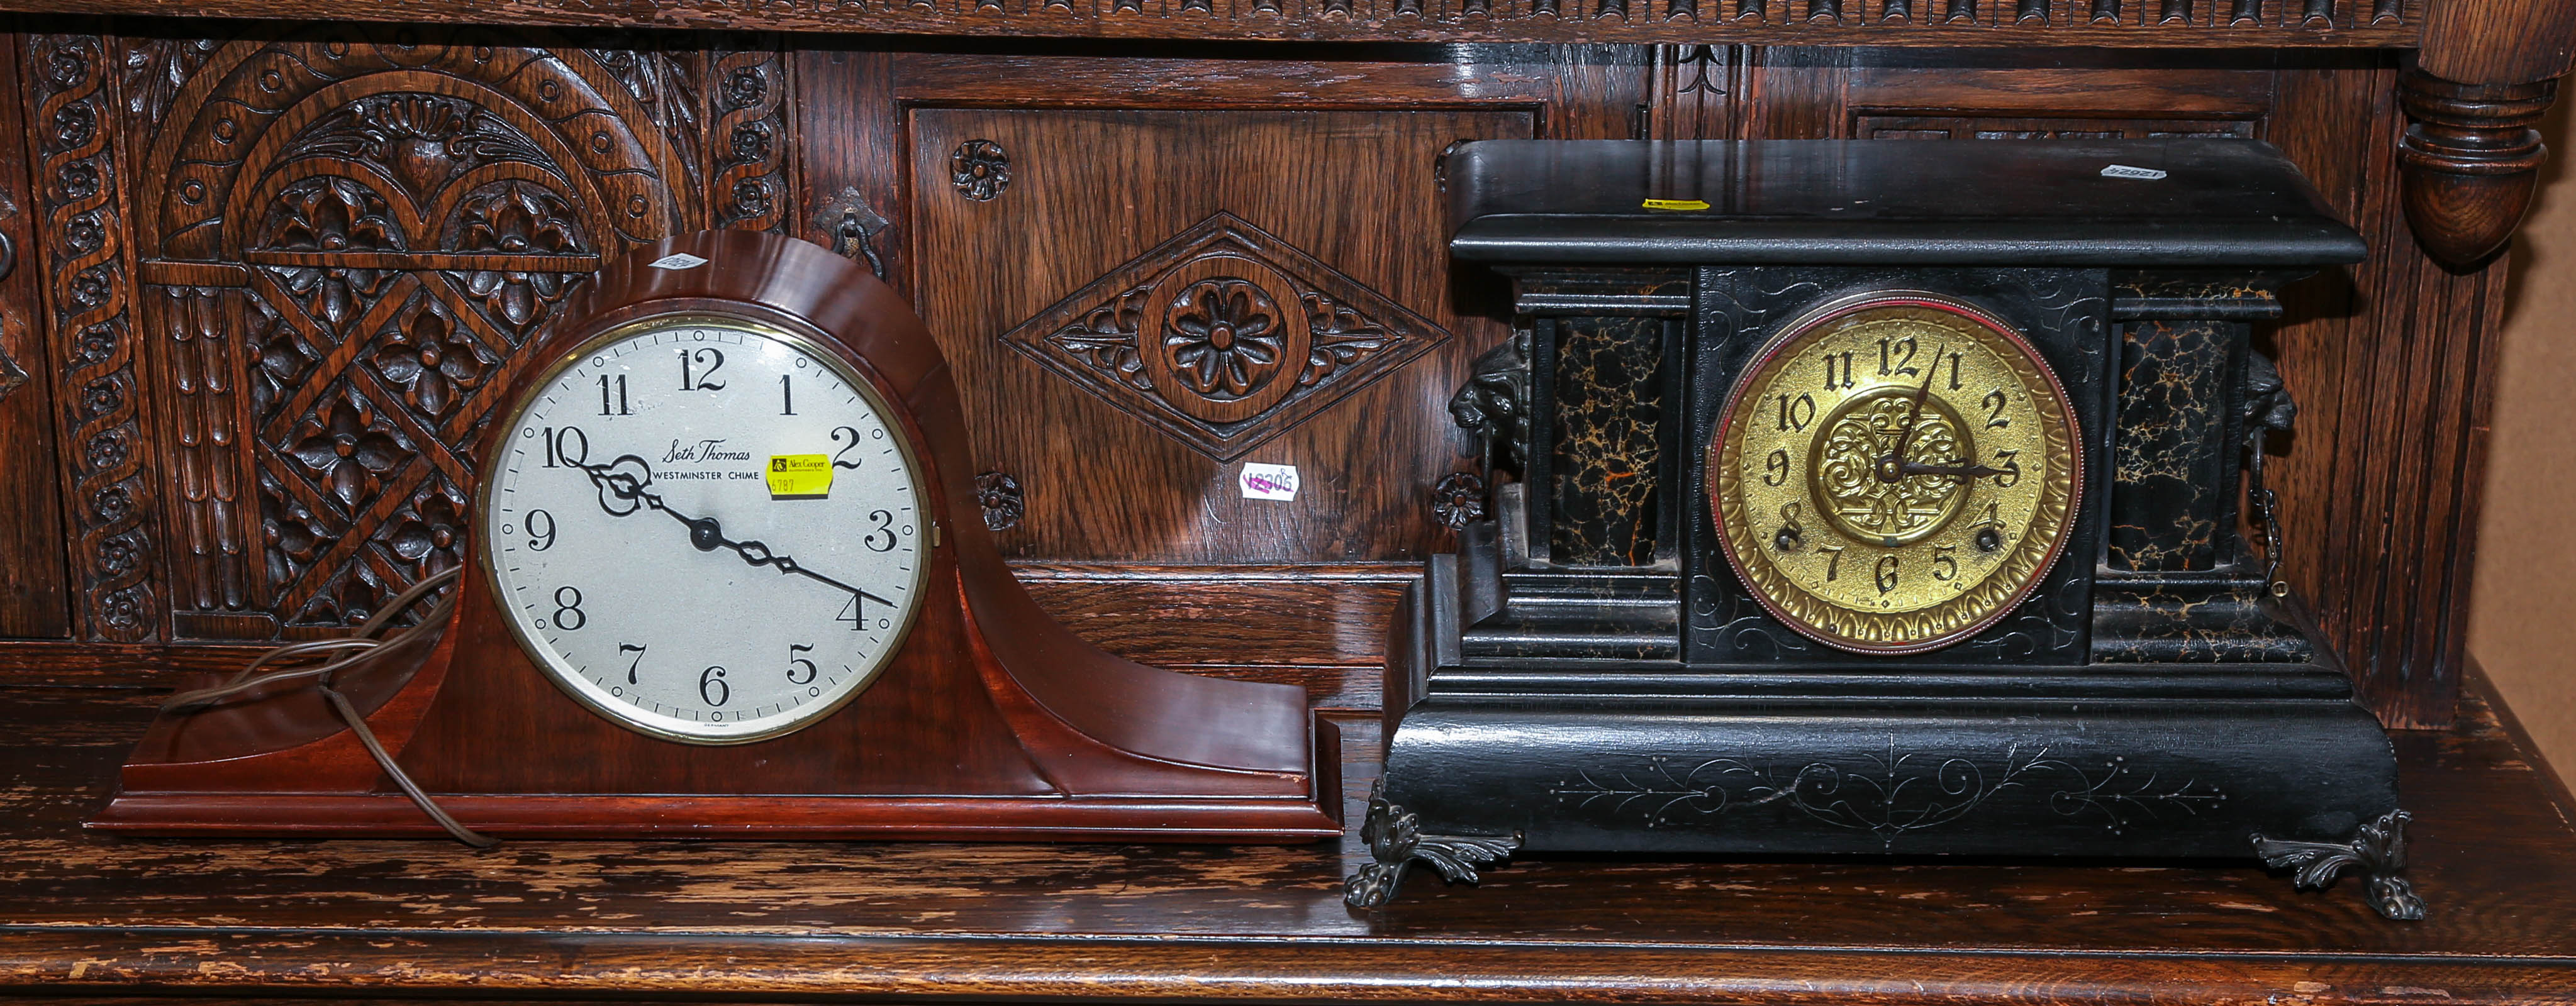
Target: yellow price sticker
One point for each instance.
(1677, 204)
(800, 476)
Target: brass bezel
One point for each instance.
(1811, 616)
(560, 673)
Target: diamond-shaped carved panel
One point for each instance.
(1224, 336)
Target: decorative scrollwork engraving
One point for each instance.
(1869, 427)
(1889, 794)
(2378, 849)
(980, 169)
(1395, 839)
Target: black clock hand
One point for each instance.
(1962, 471)
(706, 533)
(1891, 466)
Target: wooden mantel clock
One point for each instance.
(1878, 498)
(731, 579)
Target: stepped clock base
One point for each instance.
(1498, 751)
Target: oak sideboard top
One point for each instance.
(2493, 852)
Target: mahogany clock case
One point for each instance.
(991, 721)
(1588, 672)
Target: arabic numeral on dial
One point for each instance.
(1775, 469)
(1995, 402)
(620, 403)
(797, 664)
(631, 665)
(567, 447)
(698, 368)
(855, 613)
(1954, 371)
(1833, 561)
(568, 615)
(1896, 357)
(2011, 473)
(1944, 568)
(712, 688)
(884, 528)
(540, 539)
(1838, 371)
(1796, 413)
(853, 431)
(786, 396)
(1886, 573)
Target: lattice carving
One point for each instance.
(1224, 336)
(352, 240)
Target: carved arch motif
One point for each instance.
(369, 231)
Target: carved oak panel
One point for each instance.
(1156, 298)
(345, 242)
(1224, 336)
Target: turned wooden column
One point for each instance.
(2487, 72)
(2471, 159)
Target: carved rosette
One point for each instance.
(1458, 500)
(999, 496)
(980, 170)
(1224, 336)
(352, 243)
(77, 178)
(747, 184)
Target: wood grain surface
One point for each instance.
(2135, 23)
(33, 601)
(2493, 850)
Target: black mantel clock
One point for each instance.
(1878, 498)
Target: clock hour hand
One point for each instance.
(1891, 466)
(617, 483)
(1960, 471)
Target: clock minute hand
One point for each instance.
(1891, 466)
(705, 533)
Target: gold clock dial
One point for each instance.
(1894, 472)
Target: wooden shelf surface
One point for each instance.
(82, 914)
(2165, 24)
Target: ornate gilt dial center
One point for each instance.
(1859, 472)
(1894, 472)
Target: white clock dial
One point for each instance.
(652, 566)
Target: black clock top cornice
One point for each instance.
(1855, 202)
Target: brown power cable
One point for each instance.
(370, 638)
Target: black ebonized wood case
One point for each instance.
(1589, 673)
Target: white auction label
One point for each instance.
(677, 260)
(1268, 482)
(2125, 171)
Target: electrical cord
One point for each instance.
(352, 652)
